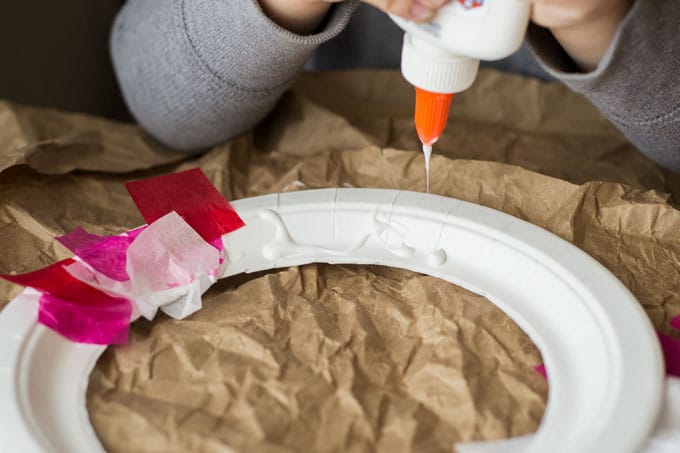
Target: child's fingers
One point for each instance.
(397, 7)
(428, 7)
(418, 10)
(569, 13)
(433, 4)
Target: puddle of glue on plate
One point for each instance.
(427, 152)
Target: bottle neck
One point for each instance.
(428, 66)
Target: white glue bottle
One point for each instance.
(441, 57)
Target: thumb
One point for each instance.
(417, 10)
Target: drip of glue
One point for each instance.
(431, 115)
(442, 56)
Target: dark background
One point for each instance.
(56, 54)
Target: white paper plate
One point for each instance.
(602, 355)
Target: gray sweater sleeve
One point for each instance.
(195, 73)
(637, 84)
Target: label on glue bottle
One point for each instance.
(470, 8)
(479, 29)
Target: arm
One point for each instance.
(198, 72)
(626, 60)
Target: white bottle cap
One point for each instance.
(430, 68)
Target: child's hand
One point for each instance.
(584, 28)
(417, 10)
(299, 16)
(304, 16)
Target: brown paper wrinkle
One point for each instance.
(53, 142)
(343, 358)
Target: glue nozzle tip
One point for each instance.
(431, 115)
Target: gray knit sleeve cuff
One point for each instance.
(271, 56)
(636, 83)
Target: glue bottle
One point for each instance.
(441, 57)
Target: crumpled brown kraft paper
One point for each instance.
(53, 142)
(344, 358)
(322, 358)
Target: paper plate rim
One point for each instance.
(455, 240)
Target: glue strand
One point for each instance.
(427, 152)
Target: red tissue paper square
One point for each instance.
(76, 310)
(670, 346)
(540, 369)
(191, 194)
(675, 322)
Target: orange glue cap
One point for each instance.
(432, 113)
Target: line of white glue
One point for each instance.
(427, 152)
